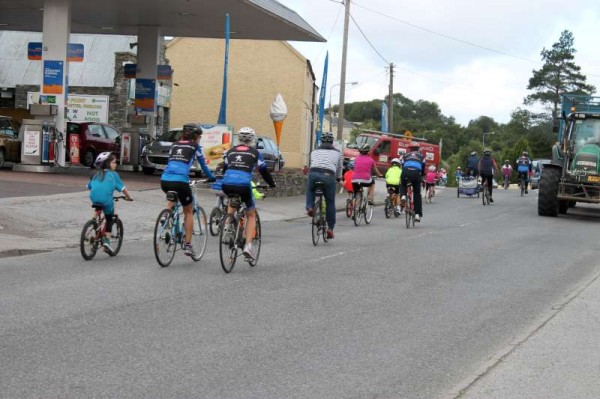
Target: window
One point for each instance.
(384, 148)
(111, 133)
(96, 131)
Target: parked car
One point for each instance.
(155, 155)
(94, 138)
(538, 167)
(10, 145)
(270, 152)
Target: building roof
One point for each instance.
(96, 70)
(347, 124)
(250, 19)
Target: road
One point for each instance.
(381, 311)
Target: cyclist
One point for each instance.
(176, 176)
(240, 162)
(524, 168)
(458, 174)
(413, 167)
(102, 184)
(326, 166)
(364, 166)
(506, 172)
(392, 182)
(348, 178)
(487, 167)
(472, 164)
(430, 178)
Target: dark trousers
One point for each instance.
(329, 189)
(489, 179)
(414, 177)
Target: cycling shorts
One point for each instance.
(357, 184)
(183, 190)
(245, 193)
(394, 187)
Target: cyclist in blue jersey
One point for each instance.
(413, 169)
(239, 163)
(176, 176)
(524, 168)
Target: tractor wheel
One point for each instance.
(548, 192)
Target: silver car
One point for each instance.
(155, 155)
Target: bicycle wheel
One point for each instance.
(357, 211)
(165, 244)
(388, 208)
(256, 242)
(199, 234)
(349, 207)
(228, 251)
(368, 209)
(408, 213)
(89, 243)
(215, 220)
(116, 236)
(316, 221)
(522, 188)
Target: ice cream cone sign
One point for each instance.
(278, 114)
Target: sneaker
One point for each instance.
(526, 192)
(310, 212)
(330, 234)
(370, 201)
(491, 200)
(248, 253)
(403, 201)
(106, 244)
(188, 249)
(417, 218)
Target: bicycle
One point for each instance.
(349, 206)
(169, 230)
(95, 228)
(233, 234)
(389, 207)
(506, 182)
(430, 194)
(522, 184)
(362, 208)
(409, 209)
(217, 215)
(485, 196)
(319, 222)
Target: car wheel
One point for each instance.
(88, 158)
(148, 171)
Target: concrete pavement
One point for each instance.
(557, 358)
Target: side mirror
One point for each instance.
(260, 146)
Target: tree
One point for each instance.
(558, 75)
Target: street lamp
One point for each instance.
(330, 111)
(483, 140)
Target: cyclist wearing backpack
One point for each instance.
(413, 169)
(487, 167)
(524, 168)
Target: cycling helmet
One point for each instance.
(525, 153)
(506, 161)
(364, 149)
(396, 161)
(414, 146)
(473, 153)
(431, 168)
(458, 167)
(327, 137)
(101, 158)
(487, 151)
(246, 135)
(351, 165)
(191, 131)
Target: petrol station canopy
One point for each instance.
(250, 19)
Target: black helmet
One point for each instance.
(327, 137)
(191, 131)
(364, 149)
(414, 146)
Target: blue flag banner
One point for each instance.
(223, 109)
(322, 100)
(384, 117)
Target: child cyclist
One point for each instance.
(348, 179)
(392, 182)
(102, 184)
(430, 178)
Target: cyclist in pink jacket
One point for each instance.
(364, 166)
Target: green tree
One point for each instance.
(558, 75)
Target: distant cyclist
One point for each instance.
(506, 172)
(326, 166)
(392, 182)
(413, 169)
(487, 167)
(176, 176)
(472, 164)
(364, 168)
(240, 162)
(431, 177)
(524, 168)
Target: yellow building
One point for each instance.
(258, 71)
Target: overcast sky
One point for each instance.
(471, 57)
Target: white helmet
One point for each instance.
(103, 156)
(431, 168)
(246, 135)
(396, 161)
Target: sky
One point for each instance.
(471, 57)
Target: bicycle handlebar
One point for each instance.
(123, 198)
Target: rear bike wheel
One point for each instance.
(165, 244)
(522, 188)
(199, 233)
(256, 242)
(89, 242)
(368, 209)
(117, 236)
(349, 207)
(408, 216)
(357, 211)
(215, 221)
(228, 250)
(316, 221)
(388, 208)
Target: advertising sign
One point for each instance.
(83, 108)
(163, 72)
(145, 94)
(53, 77)
(74, 148)
(31, 142)
(216, 139)
(34, 51)
(74, 51)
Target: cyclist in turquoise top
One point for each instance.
(102, 184)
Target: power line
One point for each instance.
(368, 41)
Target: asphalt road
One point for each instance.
(381, 311)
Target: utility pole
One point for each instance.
(391, 101)
(340, 126)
